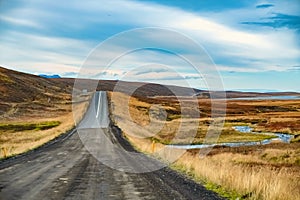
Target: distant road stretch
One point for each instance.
(65, 169)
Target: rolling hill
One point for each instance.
(23, 93)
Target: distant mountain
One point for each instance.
(49, 76)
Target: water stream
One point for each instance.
(244, 129)
(282, 97)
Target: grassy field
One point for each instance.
(24, 130)
(170, 129)
(255, 172)
(270, 172)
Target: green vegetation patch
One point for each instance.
(14, 127)
(223, 192)
(5, 78)
(171, 117)
(228, 135)
(232, 195)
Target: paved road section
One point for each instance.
(65, 169)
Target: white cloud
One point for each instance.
(19, 21)
(35, 53)
(224, 38)
(236, 43)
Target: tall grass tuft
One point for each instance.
(250, 181)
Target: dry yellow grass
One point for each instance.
(254, 182)
(136, 118)
(242, 176)
(145, 120)
(21, 141)
(271, 173)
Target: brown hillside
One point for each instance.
(142, 89)
(17, 87)
(27, 95)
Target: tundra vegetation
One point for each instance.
(248, 172)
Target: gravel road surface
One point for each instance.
(65, 169)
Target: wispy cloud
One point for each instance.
(279, 20)
(41, 54)
(264, 6)
(295, 68)
(19, 22)
(241, 37)
(152, 70)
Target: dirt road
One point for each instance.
(65, 169)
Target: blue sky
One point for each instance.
(254, 44)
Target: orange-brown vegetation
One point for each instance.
(253, 172)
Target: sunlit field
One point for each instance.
(254, 172)
(28, 131)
